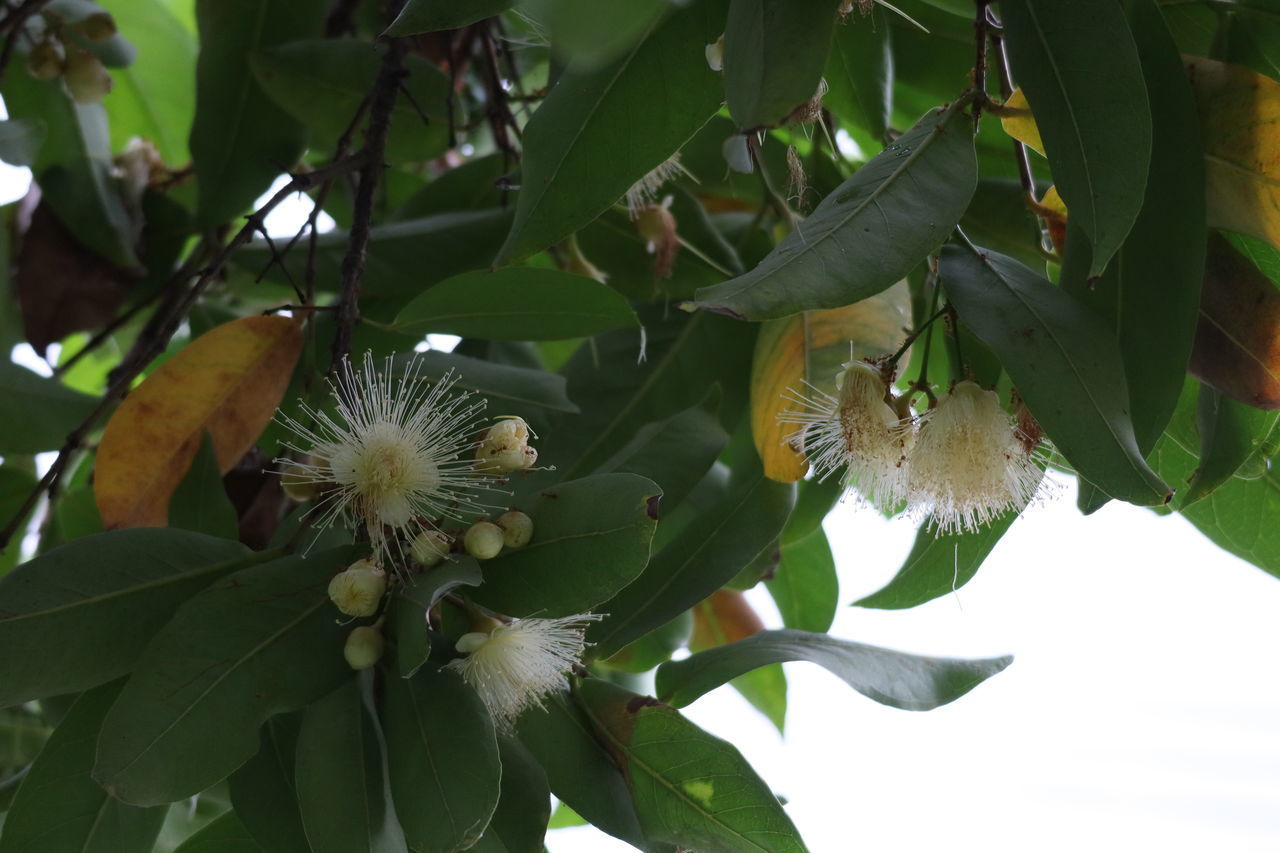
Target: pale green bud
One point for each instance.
(357, 590)
(429, 548)
(517, 528)
(364, 647)
(483, 540)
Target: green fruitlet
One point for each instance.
(44, 62)
(364, 647)
(517, 528)
(483, 540)
(358, 589)
(87, 80)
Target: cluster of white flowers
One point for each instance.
(960, 464)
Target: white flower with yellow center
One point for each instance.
(970, 462)
(394, 458)
(857, 433)
(514, 666)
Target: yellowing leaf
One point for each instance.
(811, 347)
(1018, 122)
(1054, 211)
(1240, 116)
(228, 381)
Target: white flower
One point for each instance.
(970, 463)
(644, 192)
(858, 433)
(395, 457)
(517, 664)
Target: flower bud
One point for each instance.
(99, 26)
(87, 80)
(358, 590)
(517, 528)
(505, 447)
(715, 54)
(430, 548)
(483, 540)
(364, 647)
(468, 643)
(296, 483)
(45, 62)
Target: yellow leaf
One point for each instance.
(1240, 117)
(228, 381)
(1018, 122)
(811, 347)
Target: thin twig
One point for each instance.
(1006, 92)
(980, 26)
(771, 195)
(12, 24)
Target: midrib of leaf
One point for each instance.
(1251, 174)
(431, 762)
(1071, 113)
(658, 777)
(748, 281)
(1075, 370)
(226, 673)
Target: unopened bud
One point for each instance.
(99, 26)
(358, 590)
(364, 647)
(483, 540)
(505, 448)
(468, 643)
(298, 486)
(429, 548)
(715, 54)
(45, 62)
(517, 528)
(86, 78)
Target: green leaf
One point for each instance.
(897, 679)
(1080, 69)
(675, 453)
(508, 389)
(598, 132)
(889, 215)
(1230, 433)
(860, 72)
(724, 618)
(579, 770)
(1065, 363)
(226, 834)
(262, 789)
(564, 817)
(814, 501)
(200, 502)
(704, 557)
(322, 83)
(240, 140)
(340, 774)
(774, 52)
(805, 586)
(59, 808)
(50, 411)
(73, 166)
(689, 787)
(20, 139)
(517, 304)
(655, 647)
(442, 755)
(428, 16)
(1239, 517)
(938, 565)
(152, 98)
(590, 539)
(469, 186)
(260, 642)
(520, 823)
(79, 615)
(589, 33)
(409, 612)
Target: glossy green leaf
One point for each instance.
(1239, 517)
(79, 615)
(592, 32)
(590, 539)
(442, 756)
(702, 558)
(1065, 363)
(470, 186)
(901, 680)
(200, 502)
(59, 808)
(517, 304)
(689, 787)
(860, 72)
(409, 612)
(869, 233)
(520, 822)
(584, 147)
(340, 774)
(226, 834)
(426, 16)
(260, 642)
(774, 52)
(655, 647)
(20, 139)
(152, 98)
(240, 139)
(1082, 75)
(938, 565)
(50, 411)
(322, 83)
(1230, 433)
(805, 586)
(263, 793)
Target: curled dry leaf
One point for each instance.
(228, 381)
